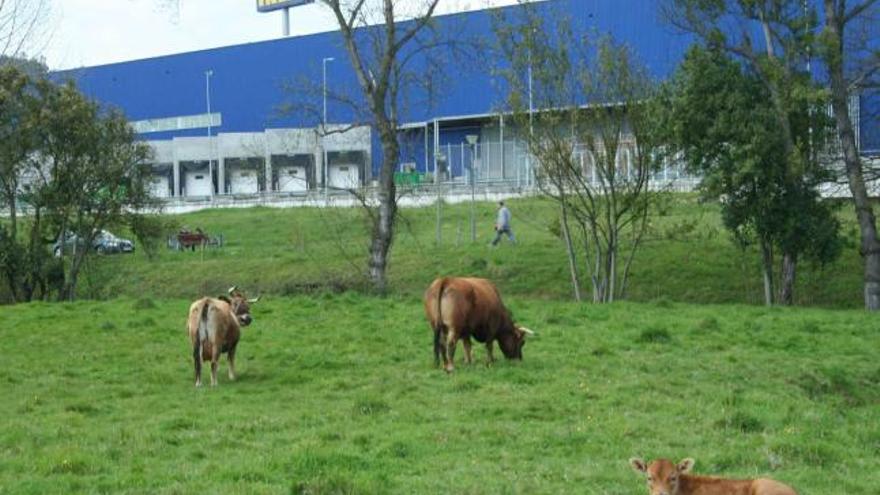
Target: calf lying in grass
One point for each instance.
(666, 478)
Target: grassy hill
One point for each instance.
(688, 257)
(337, 394)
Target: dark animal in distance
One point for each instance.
(460, 308)
(214, 327)
(666, 478)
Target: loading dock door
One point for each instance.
(244, 182)
(198, 184)
(292, 179)
(344, 176)
(160, 186)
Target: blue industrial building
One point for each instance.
(232, 121)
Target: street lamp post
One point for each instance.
(324, 175)
(531, 121)
(472, 140)
(208, 74)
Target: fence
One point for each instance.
(497, 162)
(509, 163)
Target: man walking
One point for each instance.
(502, 224)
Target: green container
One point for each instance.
(407, 178)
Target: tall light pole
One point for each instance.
(531, 121)
(208, 74)
(531, 110)
(325, 175)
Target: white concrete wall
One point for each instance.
(226, 145)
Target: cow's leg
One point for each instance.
(440, 342)
(197, 363)
(490, 357)
(231, 357)
(468, 356)
(451, 339)
(438, 346)
(215, 361)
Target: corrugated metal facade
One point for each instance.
(248, 82)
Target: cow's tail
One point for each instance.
(438, 323)
(203, 323)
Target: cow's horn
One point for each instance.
(232, 289)
(526, 330)
(252, 301)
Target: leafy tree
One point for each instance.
(76, 169)
(91, 175)
(770, 39)
(18, 145)
(720, 117)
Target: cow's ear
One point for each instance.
(638, 465)
(224, 298)
(685, 465)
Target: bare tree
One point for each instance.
(593, 136)
(23, 27)
(380, 54)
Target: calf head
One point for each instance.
(241, 306)
(662, 475)
(512, 342)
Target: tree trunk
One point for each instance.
(870, 246)
(68, 292)
(12, 270)
(569, 248)
(383, 223)
(611, 266)
(786, 284)
(13, 217)
(767, 268)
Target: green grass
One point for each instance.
(687, 257)
(337, 394)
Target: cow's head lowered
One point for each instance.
(512, 342)
(241, 306)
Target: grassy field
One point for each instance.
(337, 394)
(688, 257)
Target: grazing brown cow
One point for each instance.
(461, 308)
(214, 327)
(666, 478)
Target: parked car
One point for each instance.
(104, 243)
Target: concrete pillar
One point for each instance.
(176, 179)
(436, 150)
(319, 164)
(501, 138)
(267, 163)
(221, 175)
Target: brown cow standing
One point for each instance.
(666, 478)
(214, 327)
(461, 308)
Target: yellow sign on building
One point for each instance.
(270, 5)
